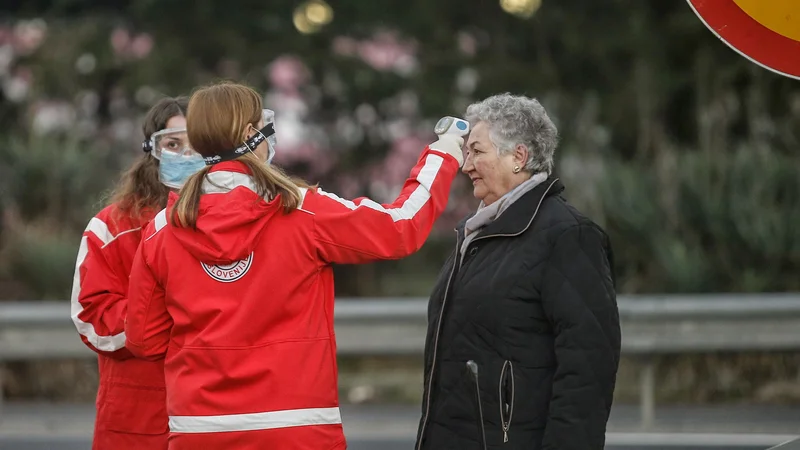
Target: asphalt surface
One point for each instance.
(31, 444)
(41, 426)
(34, 443)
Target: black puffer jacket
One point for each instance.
(533, 305)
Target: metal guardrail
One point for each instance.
(395, 308)
(651, 325)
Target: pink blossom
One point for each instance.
(376, 56)
(384, 52)
(141, 46)
(24, 73)
(345, 46)
(29, 35)
(126, 46)
(288, 72)
(6, 35)
(467, 44)
(120, 39)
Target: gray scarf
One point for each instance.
(488, 214)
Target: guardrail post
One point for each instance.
(647, 393)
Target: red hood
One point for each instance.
(229, 223)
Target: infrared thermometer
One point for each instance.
(451, 125)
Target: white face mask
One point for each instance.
(268, 116)
(271, 142)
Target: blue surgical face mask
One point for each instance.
(175, 168)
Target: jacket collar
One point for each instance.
(225, 176)
(519, 216)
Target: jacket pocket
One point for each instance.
(132, 409)
(506, 387)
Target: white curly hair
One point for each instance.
(513, 120)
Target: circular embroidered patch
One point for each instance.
(229, 272)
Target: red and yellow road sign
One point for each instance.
(767, 32)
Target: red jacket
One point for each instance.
(242, 307)
(131, 411)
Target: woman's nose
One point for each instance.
(467, 167)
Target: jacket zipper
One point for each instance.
(444, 300)
(436, 344)
(472, 367)
(506, 405)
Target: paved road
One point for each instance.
(34, 443)
(393, 427)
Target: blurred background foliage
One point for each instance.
(684, 151)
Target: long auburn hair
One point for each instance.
(218, 120)
(139, 191)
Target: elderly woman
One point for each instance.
(523, 339)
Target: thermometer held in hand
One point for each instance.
(452, 125)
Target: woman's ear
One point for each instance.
(521, 155)
(248, 132)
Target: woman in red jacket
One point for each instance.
(233, 282)
(131, 411)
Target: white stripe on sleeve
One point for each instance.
(413, 203)
(102, 343)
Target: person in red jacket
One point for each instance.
(233, 282)
(131, 401)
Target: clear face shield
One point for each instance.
(177, 160)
